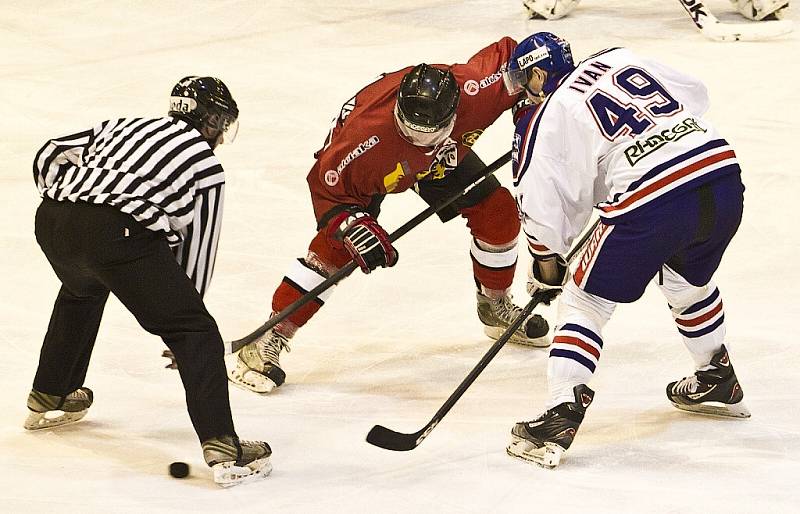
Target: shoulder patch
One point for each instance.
(469, 138)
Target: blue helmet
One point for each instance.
(541, 50)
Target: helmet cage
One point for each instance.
(423, 135)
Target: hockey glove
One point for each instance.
(364, 239)
(547, 277)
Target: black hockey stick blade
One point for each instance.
(388, 439)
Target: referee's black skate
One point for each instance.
(235, 462)
(48, 411)
(545, 439)
(497, 314)
(256, 367)
(714, 391)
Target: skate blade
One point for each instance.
(52, 418)
(538, 342)
(245, 378)
(228, 474)
(727, 410)
(547, 456)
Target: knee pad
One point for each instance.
(495, 220)
(577, 306)
(679, 293)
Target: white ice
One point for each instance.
(390, 347)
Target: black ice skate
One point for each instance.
(48, 411)
(237, 462)
(545, 439)
(256, 366)
(714, 391)
(497, 314)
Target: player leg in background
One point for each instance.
(493, 220)
(698, 309)
(256, 367)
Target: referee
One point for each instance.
(133, 207)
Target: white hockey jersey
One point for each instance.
(620, 133)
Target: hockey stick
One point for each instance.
(388, 439)
(235, 346)
(714, 29)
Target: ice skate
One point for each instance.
(544, 440)
(256, 367)
(497, 314)
(715, 391)
(48, 411)
(235, 462)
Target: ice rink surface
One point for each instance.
(390, 347)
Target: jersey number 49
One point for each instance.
(629, 111)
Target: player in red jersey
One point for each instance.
(411, 128)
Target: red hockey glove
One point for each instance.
(364, 239)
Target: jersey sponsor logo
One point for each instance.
(331, 177)
(642, 148)
(490, 79)
(392, 180)
(469, 138)
(471, 87)
(357, 152)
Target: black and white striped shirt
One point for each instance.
(159, 170)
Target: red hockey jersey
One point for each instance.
(364, 155)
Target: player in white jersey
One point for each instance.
(624, 135)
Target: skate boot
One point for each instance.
(714, 391)
(256, 367)
(545, 439)
(497, 314)
(235, 462)
(47, 410)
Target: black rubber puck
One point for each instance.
(179, 469)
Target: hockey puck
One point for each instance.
(179, 469)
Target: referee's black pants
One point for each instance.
(96, 249)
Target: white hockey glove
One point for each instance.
(547, 277)
(549, 9)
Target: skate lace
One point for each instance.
(270, 349)
(506, 309)
(686, 385)
(78, 394)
